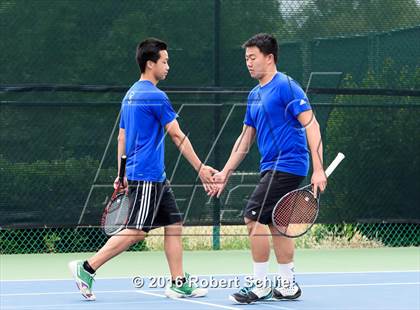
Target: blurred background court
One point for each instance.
(65, 66)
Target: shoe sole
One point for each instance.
(231, 298)
(202, 292)
(174, 295)
(296, 296)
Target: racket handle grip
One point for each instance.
(122, 168)
(334, 164)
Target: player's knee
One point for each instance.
(250, 224)
(174, 229)
(136, 236)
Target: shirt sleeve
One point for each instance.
(248, 118)
(296, 100)
(163, 110)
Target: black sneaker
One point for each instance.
(290, 292)
(251, 293)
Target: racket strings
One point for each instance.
(295, 213)
(117, 214)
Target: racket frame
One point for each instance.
(306, 189)
(118, 192)
(334, 164)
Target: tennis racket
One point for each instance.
(296, 212)
(115, 215)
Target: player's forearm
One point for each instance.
(239, 151)
(313, 135)
(120, 149)
(185, 147)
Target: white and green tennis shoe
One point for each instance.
(84, 280)
(187, 289)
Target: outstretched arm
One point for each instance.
(240, 149)
(185, 147)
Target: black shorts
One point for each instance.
(272, 186)
(152, 205)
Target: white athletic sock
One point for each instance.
(287, 274)
(260, 270)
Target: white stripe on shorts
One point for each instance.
(146, 213)
(143, 194)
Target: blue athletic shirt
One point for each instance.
(144, 113)
(272, 110)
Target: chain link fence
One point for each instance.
(70, 240)
(57, 151)
(79, 42)
(374, 194)
(61, 172)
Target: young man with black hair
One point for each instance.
(278, 114)
(146, 114)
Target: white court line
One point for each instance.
(190, 301)
(78, 305)
(219, 275)
(275, 307)
(339, 285)
(65, 293)
(363, 284)
(357, 272)
(149, 291)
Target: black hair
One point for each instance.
(149, 50)
(266, 43)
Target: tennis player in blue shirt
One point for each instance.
(279, 115)
(146, 114)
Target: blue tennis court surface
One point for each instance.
(355, 290)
